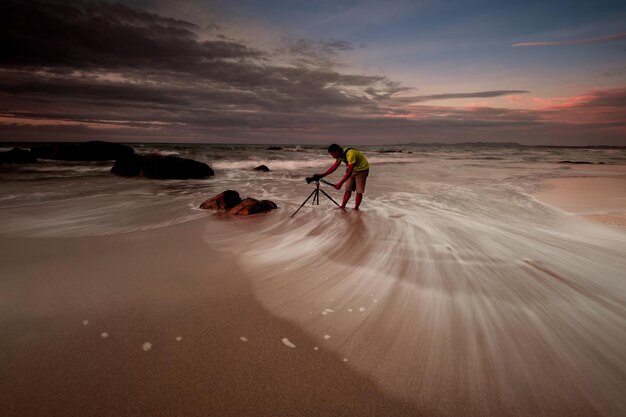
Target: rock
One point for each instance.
(18, 156)
(390, 151)
(173, 167)
(575, 162)
(274, 148)
(262, 168)
(252, 206)
(129, 166)
(230, 202)
(161, 167)
(85, 151)
(223, 201)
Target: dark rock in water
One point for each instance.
(274, 148)
(262, 168)
(18, 156)
(173, 167)
(161, 167)
(391, 151)
(85, 151)
(575, 162)
(223, 201)
(252, 206)
(230, 202)
(129, 166)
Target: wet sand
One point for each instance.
(92, 326)
(445, 301)
(599, 199)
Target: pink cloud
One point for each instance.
(600, 39)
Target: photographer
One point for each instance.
(356, 172)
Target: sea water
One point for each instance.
(452, 287)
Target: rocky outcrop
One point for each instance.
(252, 206)
(223, 201)
(85, 151)
(230, 202)
(18, 156)
(161, 167)
(263, 168)
(274, 148)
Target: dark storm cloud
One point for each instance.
(155, 51)
(86, 34)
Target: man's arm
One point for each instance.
(345, 177)
(330, 170)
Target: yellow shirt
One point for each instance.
(356, 158)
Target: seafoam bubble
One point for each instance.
(85, 322)
(326, 336)
(146, 346)
(104, 335)
(243, 339)
(286, 342)
(179, 338)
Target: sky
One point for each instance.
(291, 71)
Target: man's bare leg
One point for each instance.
(357, 201)
(346, 198)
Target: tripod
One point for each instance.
(316, 195)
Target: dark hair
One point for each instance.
(335, 148)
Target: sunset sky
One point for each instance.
(286, 71)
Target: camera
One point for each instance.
(313, 178)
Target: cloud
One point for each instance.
(89, 34)
(314, 54)
(78, 69)
(448, 96)
(588, 41)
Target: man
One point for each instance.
(356, 172)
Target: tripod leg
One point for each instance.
(307, 199)
(331, 199)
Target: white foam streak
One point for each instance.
(477, 289)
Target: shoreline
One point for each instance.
(600, 199)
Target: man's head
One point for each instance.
(335, 150)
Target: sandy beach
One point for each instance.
(601, 199)
(474, 290)
(158, 323)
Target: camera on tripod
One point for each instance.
(316, 192)
(313, 178)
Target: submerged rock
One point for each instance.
(223, 201)
(230, 202)
(263, 168)
(575, 162)
(161, 167)
(274, 148)
(85, 151)
(252, 206)
(18, 156)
